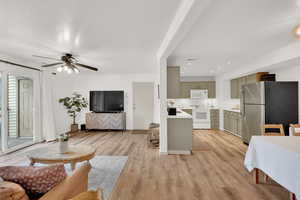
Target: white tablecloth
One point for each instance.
(278, 157)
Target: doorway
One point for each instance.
(143, 104)
(20, 110)
(20, 95)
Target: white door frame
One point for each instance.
(35, 76)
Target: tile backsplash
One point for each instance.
(187, 103)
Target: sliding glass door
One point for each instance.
(20, 110)
(20, 113)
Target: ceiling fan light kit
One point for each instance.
(68, 63)
(68, 69)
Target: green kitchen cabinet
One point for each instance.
(251, 78)
(226, 120)
(186, 87)
(232, 122)
(215, 119)
(212, 90)
(234, 88)
(185, 90)
(237, 83)
(173, 82)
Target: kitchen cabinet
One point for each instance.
(186, 87)
(251, 79)
(234, 88)
(232, 122)
(215, 119)
(211, 89)
(226, 119)
(173, 82)
(237, 83)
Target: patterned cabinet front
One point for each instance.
(113, 121)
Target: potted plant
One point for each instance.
(63, 143)
(74, 105)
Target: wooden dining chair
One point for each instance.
(273, 126)
(294, 127)
(267, 132)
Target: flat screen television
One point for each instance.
(106, 101)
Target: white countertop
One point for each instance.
(185, 107)
(232, 110)
(180, 115)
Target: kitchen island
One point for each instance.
(180, 127)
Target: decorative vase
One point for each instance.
(74, 128)
(63, 146)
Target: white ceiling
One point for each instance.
(230, 34)
(119, 36)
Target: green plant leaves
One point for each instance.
(74, 104)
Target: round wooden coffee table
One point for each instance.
(51, 155)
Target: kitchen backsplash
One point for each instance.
(187, 103)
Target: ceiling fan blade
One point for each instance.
(19, 65)
(50, 65)
(45, 57)
(86, 66)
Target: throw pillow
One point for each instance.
(35, 180)
(12, 191)
(89, 195)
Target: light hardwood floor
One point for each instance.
(215, 171)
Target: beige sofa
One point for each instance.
(71, 186)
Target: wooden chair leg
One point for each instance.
(292, 196)
(256, 176)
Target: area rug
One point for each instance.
(104, 173)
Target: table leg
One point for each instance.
(73, 166)
(292, 196)
(256, 176)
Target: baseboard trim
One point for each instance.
(187, 152)
(163, 153)
(139, 131)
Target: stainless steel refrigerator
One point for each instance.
(268, 103)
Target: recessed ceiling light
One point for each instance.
(189, 61)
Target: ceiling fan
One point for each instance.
(67, 62)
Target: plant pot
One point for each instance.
(63, 147)
(74, 128)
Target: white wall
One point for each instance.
(65, 85)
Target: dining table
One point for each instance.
(278, 157)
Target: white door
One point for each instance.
(25, 108)
(143, 104)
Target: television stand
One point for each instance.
(106, 121)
